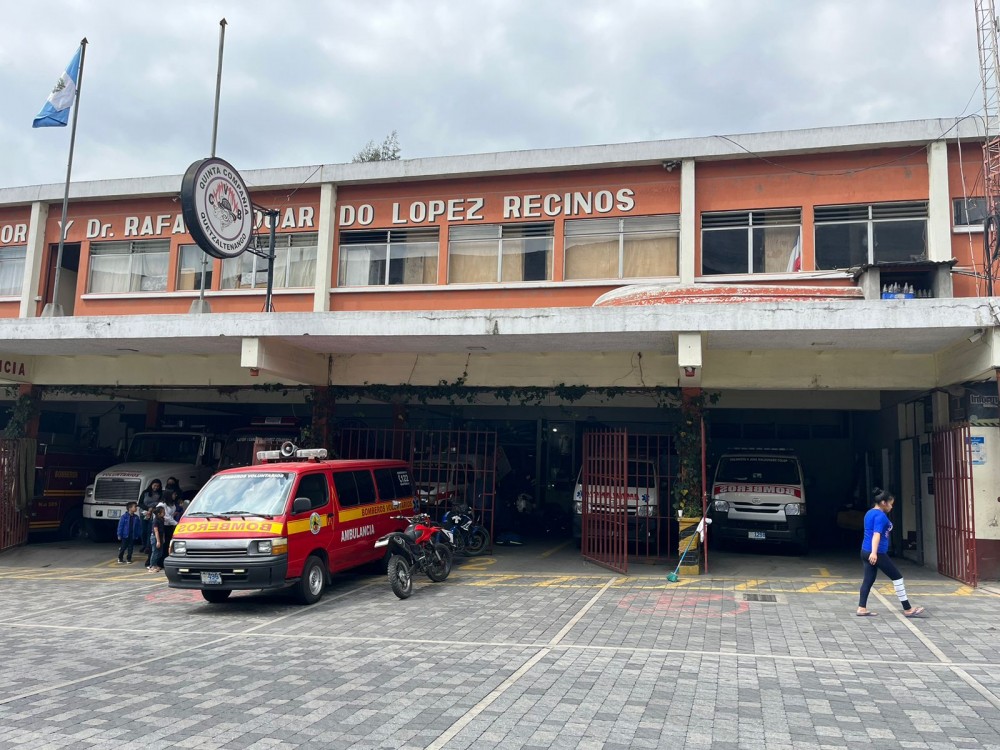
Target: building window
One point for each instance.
(136, 266)
(740, 242)
(489, 253)
(625, 248)
(389, 256)
(294, 263)
(850, 236)
(192, 264)
(969, 212)
(12, 269)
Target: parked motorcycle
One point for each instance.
(469, 538)
(415, 550)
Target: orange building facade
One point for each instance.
(835, 271)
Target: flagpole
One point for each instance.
(53, 309)
(218, 84)
(201, 304)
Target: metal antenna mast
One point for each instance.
(989, 69)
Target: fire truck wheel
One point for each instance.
(313, 581)
(72, 527)
(216, 596)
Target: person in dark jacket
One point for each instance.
(149, 498)
(129, 530)
(172, 485)
(159, 541)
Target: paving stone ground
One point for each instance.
(102, 656)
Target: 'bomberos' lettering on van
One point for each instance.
(208, 527)
(357, 533)
(763, 489)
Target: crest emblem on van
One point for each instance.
(314, 523)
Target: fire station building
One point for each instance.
(824, 287)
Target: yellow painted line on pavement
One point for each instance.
(816, 588)
(555, 549)
(752, 583)
(823, 573)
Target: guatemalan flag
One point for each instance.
(55, 113)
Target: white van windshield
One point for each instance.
(758, 469)
(258, 494)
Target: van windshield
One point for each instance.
(760, 469)
(260, 493)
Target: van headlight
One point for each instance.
(178, 547)
(646, 511)
(276, 546)
(795, 509)
(720, 506)
(578, 506)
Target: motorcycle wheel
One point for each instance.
(479, 542)
(400, 577)
(439, 561)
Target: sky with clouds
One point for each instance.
(310, 82)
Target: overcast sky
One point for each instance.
(308, 82)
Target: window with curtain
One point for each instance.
(128, 266)
(490, 253)
(850, 236)
(379, 257)
(625, 248)
(192, 263)
(742, 242)
(294, 263)
(12, 269)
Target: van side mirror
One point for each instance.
(301, 505)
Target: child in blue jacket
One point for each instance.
(129, 530)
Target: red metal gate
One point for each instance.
(953, 503)
(17, 471)
(626, 481)
(452, 469)
(604, 517)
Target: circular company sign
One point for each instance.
(216, 206)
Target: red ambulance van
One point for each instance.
(287, 523)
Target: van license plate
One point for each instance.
(113, 513)
(750, 535)
(211, 578)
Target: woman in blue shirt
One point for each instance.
(875, 555)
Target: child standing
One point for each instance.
(159, 541)
(129, 530)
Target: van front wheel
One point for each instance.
(313, 581)
(215, 596)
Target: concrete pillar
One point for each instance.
(327, 226)
(323, 411)
(939, 203)
(34, 275)
(686, 261)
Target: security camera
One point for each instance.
(976, 335)
(670, 165)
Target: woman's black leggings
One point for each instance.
(886, 565)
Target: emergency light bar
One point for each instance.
(313, 453)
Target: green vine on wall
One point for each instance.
(687, 490)
(22, 412)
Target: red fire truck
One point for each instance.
(61, 477)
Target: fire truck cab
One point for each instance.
(291, 521)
